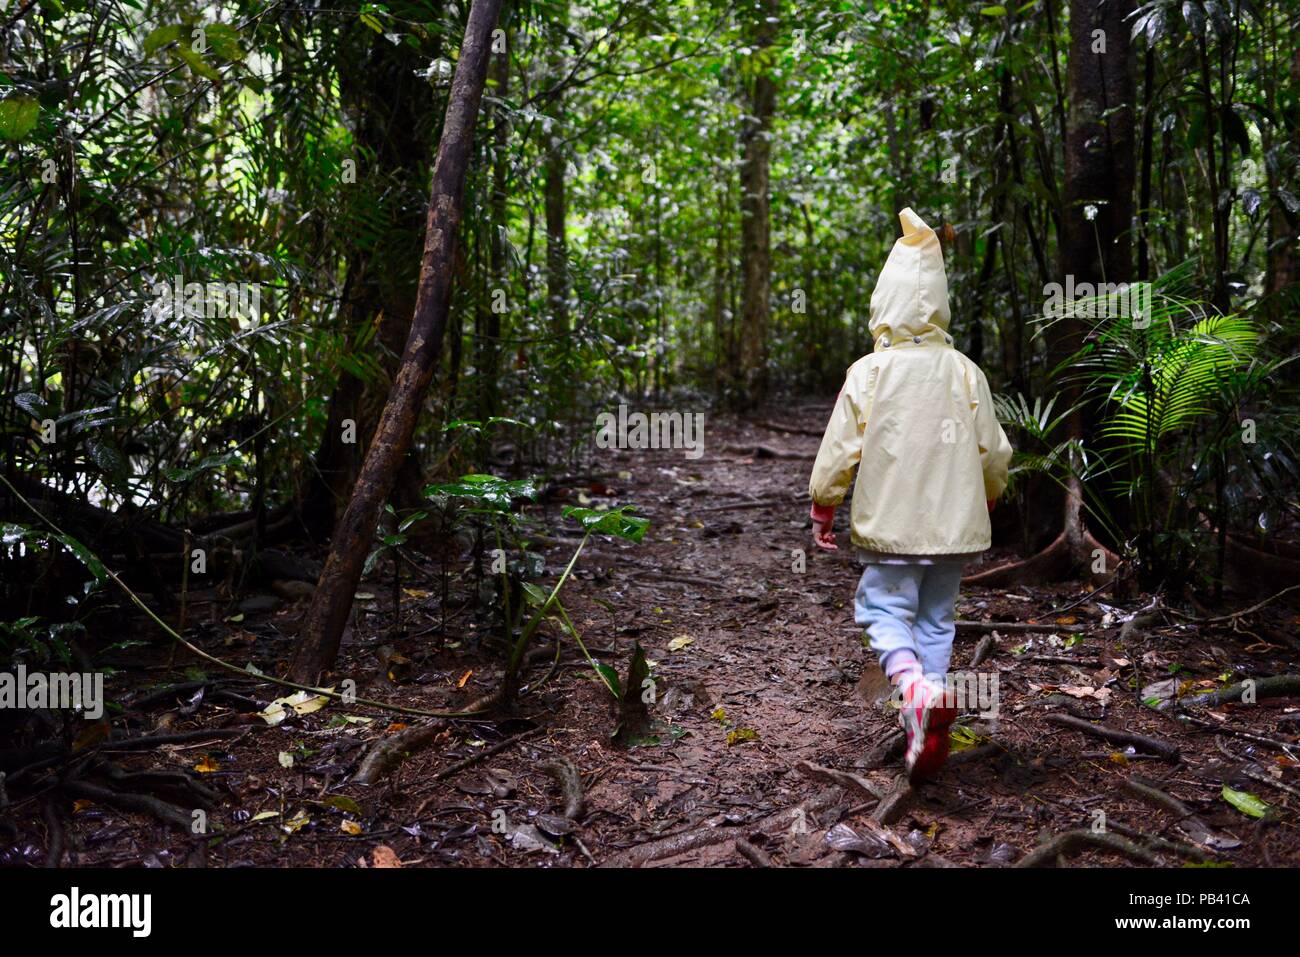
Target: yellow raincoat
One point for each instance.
(918, 415)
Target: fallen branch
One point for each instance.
(1070, 841)
(1276, 686)
(1139, 741)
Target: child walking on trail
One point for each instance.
(919, 417)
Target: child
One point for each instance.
(919, 416)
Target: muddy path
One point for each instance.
(773, 746)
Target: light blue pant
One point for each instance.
(910, 608)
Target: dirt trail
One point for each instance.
(757, 668)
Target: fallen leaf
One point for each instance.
(680, 642)
(1101, 695)
(385, 856)
(297, 822)
(300, 702)
(350, 827)
(464, 678)
(1245, 802)
(207, 764)
(742, 734)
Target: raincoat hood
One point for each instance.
(915, 420)
(911, 297)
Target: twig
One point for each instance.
(483, 755)
(1237, 614)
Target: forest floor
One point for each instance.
(774, 745)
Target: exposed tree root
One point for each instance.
(1188, 822)
(845, 779)
(1068, 842)
(53, 835)
(1189, 851)
(752, 854)
(388, 753)
(706, 836)
(143, 803)
(1060, 560)
(893, 804)
(565, 773)
(982, 651)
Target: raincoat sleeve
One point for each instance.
(995, 449)
(840, 451)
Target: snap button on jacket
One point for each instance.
(918, 418)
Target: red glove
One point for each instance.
(823, 517)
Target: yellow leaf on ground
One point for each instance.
(207, 764)
(680, 642)
(300, 702)
(463, 678)
(350, 827)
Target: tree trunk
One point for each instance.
(557, 245)
(1100, 173)
(755, 225)
(323, 625)
(394, 117)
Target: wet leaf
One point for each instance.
(1245, 802)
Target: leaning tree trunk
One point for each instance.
(323, 626)
(1100, 174)
(755, 225)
